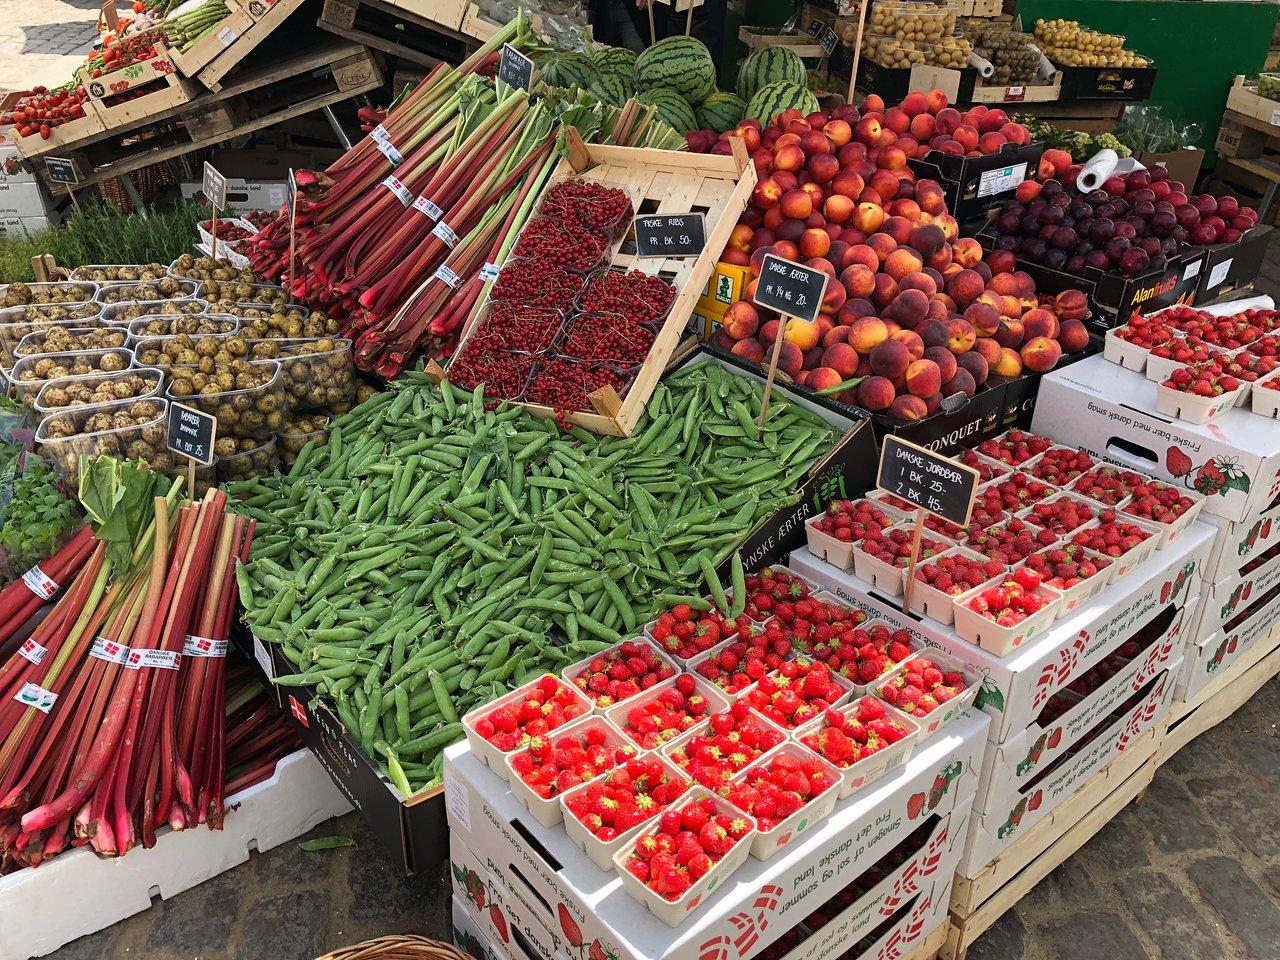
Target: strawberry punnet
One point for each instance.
(546, 704)
(851, 520)
(799, 691)
(770, 588)
(921, 687)
(684, 633)
(1107, 485)
(740, 663)
(616, 675)
(773, 790)
(735, 738)
(1066, 566)
(552, 764)
(863, 654)
(1153, 500)
(625, 797)
(1113, 537)
(1012, 600)
(665, 716)
(957, 573)
(1015, 447)
(684, 848)
(847, 736)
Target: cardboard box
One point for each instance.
(514, 926)
(415, 832)
(468, 937)
(1183, 165)
(26, 226)
(974, 185)
(1110, 412)
(1208, 657)
(1224, 599)
(993, 831)
(256, 180)
(1009, 766)
(1230, 266)
(1230, 135)
(1016, 687)
(1108, 83)
(758, 903)
(23, 198)
(11, 168)
(726, 286)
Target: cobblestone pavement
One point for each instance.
(43, 41)
(1190, 873)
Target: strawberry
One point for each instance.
(1066, 566)
(625, 797)
(771, 587)
(920, 687)
(620, 673)
(542, 706)
(1108, 485)
(1011, 601)
(681, 633)
(1061, 514)
(894, 547)
(734, 739)
(988, 470)
(1014, 447)
(672, 858)
(862, 654)
(740, 663)
(553, 764)
(1060, 465)
(1158, 502)
(774, 790)
(665, 714)
(1010, 542)
(1112, 537)
(1014, 492)
(957, 573)
(796, 693)
(846, 736)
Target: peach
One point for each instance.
(1001, 261)
(791, 137)
(864, 254)
(868, 217)
(1073, 336)
(991, 142)
(739, 258)
(966, 251)
(983, 318)
(815, 142)
(936, 100)
(816, 196)
(838, 208)
(1011, 332)
(1071, 305)
(858, 280)
(802, 333)
(907, 209)
(833, 298)
(773, 218)
(867, 333)
(897, 120)
(750, 349)
(741, 320)
(961, 336)
(922, 127)
(823, 378)
(1040, 354)
(814, 243)
(838, 131)
(974, 364)
(823, 167)
(928, 239)
(883, 245)
(802, 377)
(908, 409)
(837, 334)
(911, 340)
(817, 119)
(1004, 284)
(767, 194)
(847, 183)
(948, 120)
(750, 137)
(988, 349)
(950, 227)
(932, 333)
(965, 287)
(796, 204)
(886, 289)
(884, 183)
(909, 307)
(867, 130)
(1026, 285)
(790, 359)
(811, 357)
(919, 280)
(1039, 322)
(762, 237)
(914, 104)
(891, 325)
(1009, 364)
(937, 309)
(962, 381)
(841, 357)
(722, 340)
(872, 103)
(787, 249)
(899, 228)
(786, 180)
(1027, 191)
(789, 157)
(740, 237)
(892, 158)
(851, 153)
(945, 360)
(769, 330)
(902, 263)
(966, 136)
(875, 394)
(890, 359)
(940, 260)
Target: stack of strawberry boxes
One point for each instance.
(793, 783)
(1230, 464)
(1068, 596)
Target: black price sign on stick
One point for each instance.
(829, 39)
(932, 482)
(790, 288)
(514, 68)
(214, 186)
(61, 170)
(670, 235)
(191, 433)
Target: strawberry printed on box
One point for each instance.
(762, 902)
(1015, 688)
(1212, 655)
(1221, 601)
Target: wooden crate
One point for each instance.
(61, 137)
(802, 46)
(398, 30)
(239, 47)
(978, 902)
(1244, 99)
(976, 8)
(658, 181)
(209, 47)
(1087, 116)
(1018, 94)
(159, 70)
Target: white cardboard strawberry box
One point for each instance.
(467, 935)
(1014, 688)
(1224, 599)
(501, 910)
(759, 901)
(1239, 542)
(1208, 657)
(1015, 810)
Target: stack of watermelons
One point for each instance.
(678, 78)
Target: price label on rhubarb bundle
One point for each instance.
(214, 186)
(939, 484)
(191, 433)
(61, 170)
(670, 235)
(791, 288)
(515, 68)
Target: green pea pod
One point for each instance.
(739, 587)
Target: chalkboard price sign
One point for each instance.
(191, 433)
(670, 235)
(791, 288)
(61, 170)
(214, 186)
(514, 68)
(933, 482)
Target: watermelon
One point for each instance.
(672, 108)
(770, 65)
(569, 70)
(682, 64)
(771, 100)
(611, 89)
(720, 112)
(616, 60)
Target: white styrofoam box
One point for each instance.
(77, 893)
(760, 900)
(1015, 688)
(1006, 766)
(1239, 542)
(1210, 655)
(1111, 413)
(993, 830)
(24, 199)
(244, 196)
(27, 226)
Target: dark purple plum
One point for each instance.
(1055, 259)
(1134, 261)
(1102, 230)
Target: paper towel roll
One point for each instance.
(1046, 69)
(983, 65)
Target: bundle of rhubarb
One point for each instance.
(113, 712)
(37, 587)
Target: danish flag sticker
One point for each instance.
(299, 711)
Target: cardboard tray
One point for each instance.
(1107, 83)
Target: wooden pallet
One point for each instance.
(327, 73)
(929, 948)
(978, 902)
(401, 28)
(1087, 116)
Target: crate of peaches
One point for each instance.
(832, 534)
(999, 617)
(940, 580)
(864, 741)
(548, 766)
(931, 688)
(1072, 573)
(505, 725)
(674, 864)
(1128, 541)
(786, 792)
(600, 816)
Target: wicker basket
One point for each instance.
(405, 947)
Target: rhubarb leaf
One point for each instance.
(119, 497)
(326, 843)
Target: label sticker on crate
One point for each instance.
(30, 650)
(226, 35)
(1001, 179)
(1219, 273)
(403, 193)
(445, 233)
(40, 583)
(489, 272)
(156, 659)
(1015, 94)
(264, 659)
(111, 651)
(1192, 269)
(423, 205)
(194, 646)
(457, 803)
(447, 275)
(34, 695)
(1275, 118)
